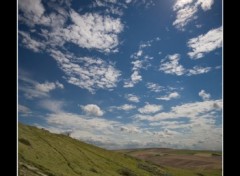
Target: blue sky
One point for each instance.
(123, 74)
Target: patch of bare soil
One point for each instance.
(197, 161)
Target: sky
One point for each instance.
(123, 73)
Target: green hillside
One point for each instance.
(41, 153)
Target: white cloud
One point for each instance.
(128, 1)
(189, 110)
(139, 64)
(204, 95)
(93, 31)
(89, 30)
(132, 98)
(150, 108)
(172, 66)
(196, 70)
(32, 11)
(173, 95)
(87, 73)
(135, 78)
(205, 4)
(52, 105)
(186, 11)
(125, 107)
(48, 86)
(31, 43)
(33, 89)
(92, 109)
(205, 43)
(154, 87)
(24, 110)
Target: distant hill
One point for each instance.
(179, 162)
(41, 153)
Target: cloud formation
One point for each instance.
(196, 70)
(86, 72)
(205, 43)
(132, 98)
(170, 65)
(125, 107)
(150, 109)
(92, 109)
(154, 87)
(204, 95)
(33, 89)
(173, 95)
(186, 11)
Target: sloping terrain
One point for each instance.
(41, 153)
(182, 162)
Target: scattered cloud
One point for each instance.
(93, 31)
(89, 30)
(189, 110)
(33, 89)
(150, 109)
(125, 107)
(87, 73)
(205, 43)
(132, 98)
(31, 43)
(48, 86)
(196, 70)
(170, 65)
(173, 95)
(204, 95)
(139, 64)
(92, 109)
(52, 105)
(186, 11)
(154, 87)
(24, 110)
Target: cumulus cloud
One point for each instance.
(132, 98)
(141, 61)
(33, 89)
(92, 109)
(186, 11)
(154, 87)
(204, 95)
(205, 43)
(86, 72)
(48, 86)
(150, 109)
(189, 110)
(31, 43)
(170, 65)
(125, 107)
(92, 30)
(32, 11)
(196, 70)
(173, 95)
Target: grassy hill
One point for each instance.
(41, 153)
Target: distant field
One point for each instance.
(182, 162)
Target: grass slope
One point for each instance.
(41, 153)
